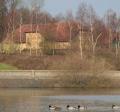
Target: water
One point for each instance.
(37, 100)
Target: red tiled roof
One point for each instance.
(59, 32)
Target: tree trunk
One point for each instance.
(20, 33)
(81, 49)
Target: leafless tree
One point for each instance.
(70, 31)
(3, 13)
(36, 6)
(12, 5)
(21, 22)
(111, 23)
(69, 15)
(84, 13)
(81, 40)
(93, 40)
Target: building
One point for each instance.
(55, 36)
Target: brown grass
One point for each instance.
(57, 62)
(86, 81)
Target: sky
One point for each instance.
(55, 7)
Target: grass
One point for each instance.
(7, 67)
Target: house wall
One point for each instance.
(62, 45)
(34, 40)
(57, 45)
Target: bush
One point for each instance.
(85, 80)
(74, 62)
(9, 48)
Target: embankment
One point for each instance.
(43, 78)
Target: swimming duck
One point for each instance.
(82, 107)
(51, 107)
(115, 107)
(71, 108)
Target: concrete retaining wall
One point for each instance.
(40, 78)
(43, 74)
(33, 74)
(30, 78)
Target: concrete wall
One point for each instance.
(31, 74)
(42, 78)
(44, 74)
(30, 78)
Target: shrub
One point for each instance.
(9, 48)
(74, 62)
(84, 80)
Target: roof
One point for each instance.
(59, 32)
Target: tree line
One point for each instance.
(13, 14)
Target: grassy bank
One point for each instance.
(57, 62)
(7, 67)
(91, 70)
(87, 81)
(58, 79)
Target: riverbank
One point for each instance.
(70, 61)
(57, 78)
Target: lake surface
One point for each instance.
(37, 100)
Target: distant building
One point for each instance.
(55, 36)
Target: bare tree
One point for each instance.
(117, 44)
(69, 16)
(3, 12)
(59, 17)
(93, 40)
(70, 21)
(84, 13)
(21, 22)
(12, 5)
(111, 23)
(36, 6)
(70, 31)
(80, 40)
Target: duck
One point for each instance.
(52, 107)
(82, 107)
(71, 108)
(115, 107)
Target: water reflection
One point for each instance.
(38, 100)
